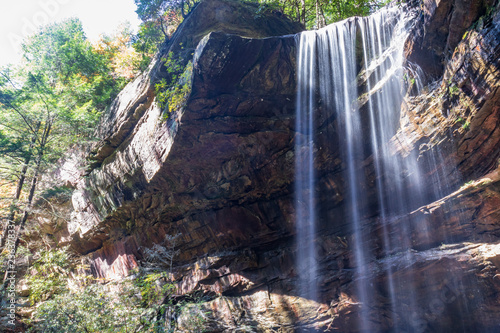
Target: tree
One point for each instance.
(61, 57)
(159, 20)
(17, 124)
(153, 9)
(51, 101)
(314, 14)
(118, 50)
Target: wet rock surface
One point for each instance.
(442, 26)
(459, 118)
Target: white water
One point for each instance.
(331, 63)
(304, 165)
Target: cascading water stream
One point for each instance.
(354, 70)
(304, 165)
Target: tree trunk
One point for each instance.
(20, 183)
(320, 16)
(34, 182)
(31, 195)
(182, 9)
(303, 13)
(317, 15)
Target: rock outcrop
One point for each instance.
(219, 172)
(216, 171)
(442, 27)
(460, 116)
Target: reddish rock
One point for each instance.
(460, 118)
(442, 26)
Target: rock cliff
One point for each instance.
(219, 171)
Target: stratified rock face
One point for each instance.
(219, 172)
(443, 25)
(460, 117)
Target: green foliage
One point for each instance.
(467, 184)
(146, 42)
(145, 302)
(50, 102)
(148, 10)
(61, 57)
(465, 123)
(409, 80)
(10, 146)
(64, 83)
(318, 13)
(117, 307)
(192, 315)
(453, 90)
(341, 9)
(150, 288)
(172, 93)
(139, 305)
(120, 56)
(153, 9)
(160, 18)
(86, 311)
(48, 275)
(58, 192)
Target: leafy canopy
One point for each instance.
(50, 102)
(60, 56)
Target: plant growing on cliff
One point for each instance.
(162, 255)
(151, 288)
(90, 310)
(453, 90)
(192, 315)
(145, 302)
(172, 93)
(466, 125)
(140, 305)
(154, 9)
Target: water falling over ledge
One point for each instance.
(354, 72)
(305, 176)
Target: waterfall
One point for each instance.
(354, 71)
(304, 166)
